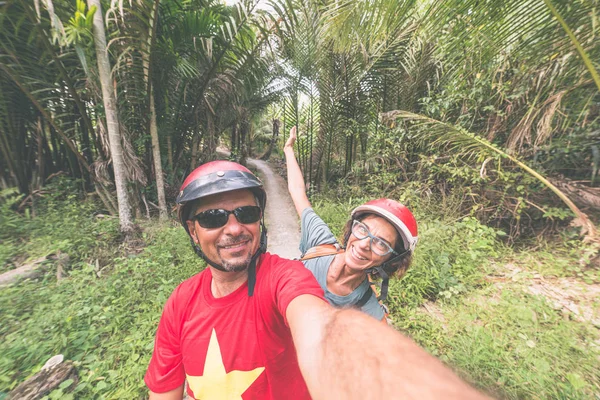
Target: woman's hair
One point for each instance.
(396, 269)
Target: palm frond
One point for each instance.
(461, 141)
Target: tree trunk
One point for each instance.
(583, 196)
(195, 144)
(40, 156)
(210, 140)
(276, 124)
(310, 143)
(243, 148)
(249, 137)
(112, 119)
(234, 138)
(50, 166)
(170, 153)
(160, 183)
(85, 142)
(239, 140)
(44, 382)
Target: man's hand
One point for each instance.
(346, 354)
(291, 140)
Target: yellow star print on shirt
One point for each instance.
(216, 383)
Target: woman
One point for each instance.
(379, 239)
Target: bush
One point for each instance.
(65, 222)
(450, 259)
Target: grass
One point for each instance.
(510, 344)
(104, 313)
(105, 324)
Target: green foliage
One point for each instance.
(79, 29)
(510, 344)
(9, 219)
(64, 224)
(451, 260)
(12, 226)
(515, 81)
(440, 165)
(104, 320)
(104, 316)
(335, 213)
(497, 336)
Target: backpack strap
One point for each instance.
(321, 251)
(366, 296)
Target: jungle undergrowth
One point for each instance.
(502, 338)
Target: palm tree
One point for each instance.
(504, 69)
(470, 145)
(51, 80)
(112, 119)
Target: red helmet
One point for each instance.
(220, 177)
(395, 213)
(217, 177)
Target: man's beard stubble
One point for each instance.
(236, 265)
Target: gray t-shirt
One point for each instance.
(315, 232)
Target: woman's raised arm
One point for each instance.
(296, 185)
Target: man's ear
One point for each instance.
(192, 229)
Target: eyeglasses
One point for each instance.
(378, 245)
(216, 218)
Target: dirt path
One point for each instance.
(281, 217)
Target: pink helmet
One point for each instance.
(395, 213)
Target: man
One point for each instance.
(252, 325)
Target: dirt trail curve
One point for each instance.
(281, 217)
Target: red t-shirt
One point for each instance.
(234, 347)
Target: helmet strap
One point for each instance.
(251, 266)
(385, 279)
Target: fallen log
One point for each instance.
(34, 269)
(583, 196)
(26, 271)
(45, 381)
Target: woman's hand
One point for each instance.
(291, 140)
(296, 185)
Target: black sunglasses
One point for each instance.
(216, 218)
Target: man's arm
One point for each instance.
(345, 354)
(175, 394)
(296, 185)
